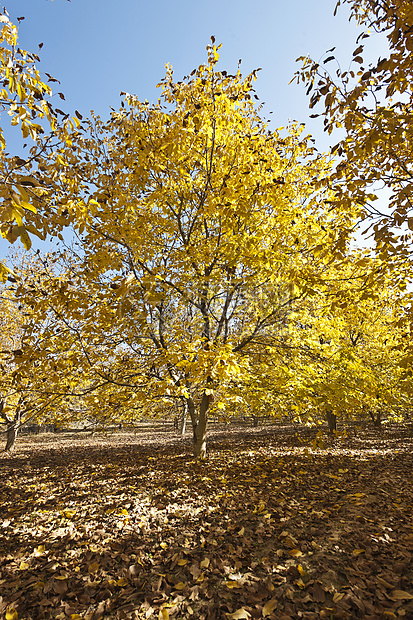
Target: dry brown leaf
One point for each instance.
(93, 568)
(60, 587)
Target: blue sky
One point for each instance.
(97, 48)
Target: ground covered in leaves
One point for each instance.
(131, 527)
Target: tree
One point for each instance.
(25, 205)
(195, 224)
(39, 382)
(345, 348)
(374, 105)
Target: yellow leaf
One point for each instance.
(261, 506)
(233, 584)
(25, 130)
(338, 596)
(358, 551)
(25, 239)
(93, 568)
(241, 532)
(180, 586)
(69, 513)
(163, 614)
(75, 617)
(240, 614)
(11, 614)
(164, 545)
(400, 595)
(39, 550)
(29, 207)
(24, 566)
(182, 562)
(205, 563)
(269, 607)
(295, 553)
(121, 582)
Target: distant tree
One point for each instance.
(38, 381)
(342, 357)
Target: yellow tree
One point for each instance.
(194, 222)
(342, 356)
(42, 378)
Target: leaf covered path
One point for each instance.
(129, 526)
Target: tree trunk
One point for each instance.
(199, 424)
(184, 417)
(12, 431)
(13, 425)
(200, 429)
(332, 421)
(376, 419)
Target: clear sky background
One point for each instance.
(97, 48)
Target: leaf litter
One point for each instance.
(131, 527)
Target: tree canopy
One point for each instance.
(374, 105)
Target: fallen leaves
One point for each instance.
(282, 539)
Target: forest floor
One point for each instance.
(129, 526)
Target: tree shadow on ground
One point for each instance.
(131, 527)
